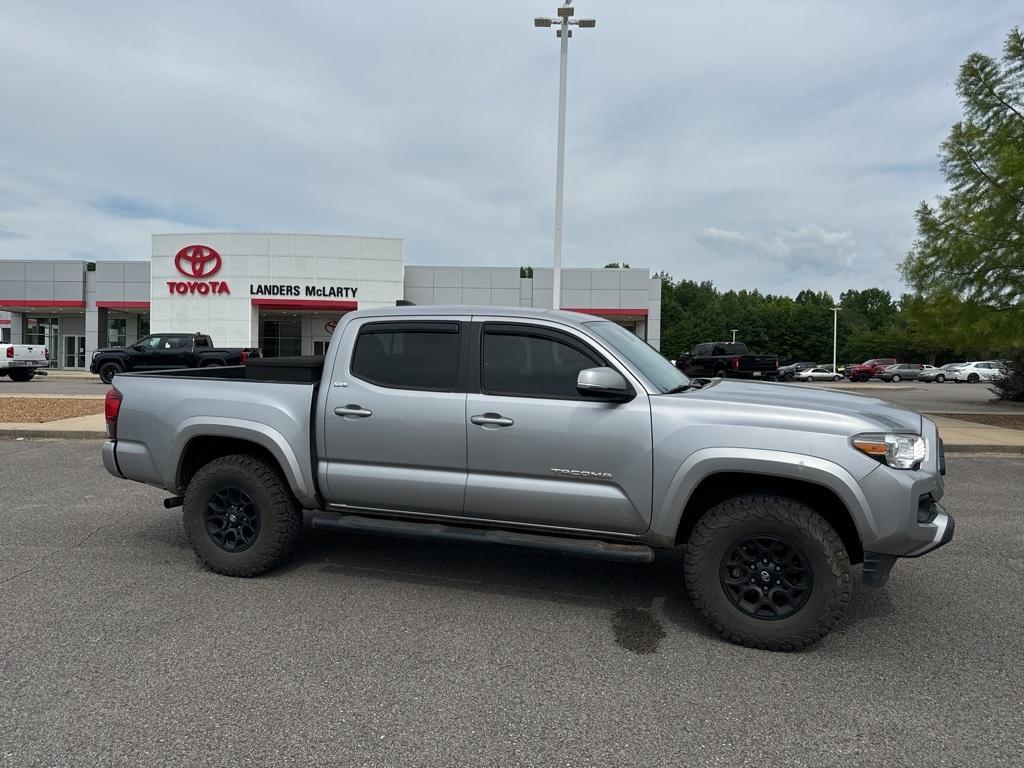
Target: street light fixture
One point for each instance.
(563, 21)
(835, 334)
(734, 334)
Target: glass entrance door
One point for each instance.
(44, 330)
(74, 351)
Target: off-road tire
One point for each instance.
(108, 370)
(730, 521)
(22, 375)
(280, 516)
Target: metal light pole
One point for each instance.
(734, 334)
(563, 21)
(835, 334)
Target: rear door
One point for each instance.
(174, 351)
(394, 426)
(539, 452)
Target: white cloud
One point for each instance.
(809, 247)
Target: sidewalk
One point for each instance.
(93, 426)
(969, 437)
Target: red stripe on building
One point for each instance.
(122, 304)
(310, 305)
(5, 321)
(595, 311)
(41, 303)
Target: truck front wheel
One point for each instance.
(240, 517)
(768, 572)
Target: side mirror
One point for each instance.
(604, 382)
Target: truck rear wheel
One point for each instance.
(20, 374)
(240, 517)
(108, 371)
(768, 572)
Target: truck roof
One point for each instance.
(572, 318)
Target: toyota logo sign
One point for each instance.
(330, 325)
(197, 261)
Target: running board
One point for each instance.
(633, 553)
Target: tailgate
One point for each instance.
(27, 354)
(759, 363)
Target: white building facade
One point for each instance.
(281, 293)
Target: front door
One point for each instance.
(394, 425)
(541, 453)
(74, 351)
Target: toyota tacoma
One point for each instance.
(544, 429)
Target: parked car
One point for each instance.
(817, 374)
(939, 374)
(868, 369)
(164, 351)
(978, 371)
(789, 371)
(726, 359)
(901, 372)
(21, 362)
(542, 429)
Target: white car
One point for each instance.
(978, 371)
(816, 374)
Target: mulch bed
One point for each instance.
(38, 410)
(1005, 420)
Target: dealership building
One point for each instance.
(282, 293)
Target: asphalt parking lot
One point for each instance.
(116, 647)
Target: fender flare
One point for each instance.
(783, 464)
(240, 429)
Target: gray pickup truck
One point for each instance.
(542, 429)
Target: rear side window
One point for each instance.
(409, 355)
(525, 364)
(202, 341)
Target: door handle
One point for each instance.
(353, 410)
(491, 420)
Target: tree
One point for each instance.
(968, 257)
(616, 265)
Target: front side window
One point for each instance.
(659, 371)
(409, 355)
(519, 363)
(175, 342)
(150, 343)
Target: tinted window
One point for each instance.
(525, 365)
(175, 342)
(702, 350)
(202, 341)
(151, 342)
(659, 371)
(409, 356)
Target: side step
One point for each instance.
(633, 553)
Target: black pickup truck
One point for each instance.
(727, 360)
(163, 351)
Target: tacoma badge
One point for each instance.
(582, 473)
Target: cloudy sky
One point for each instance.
(774, 145)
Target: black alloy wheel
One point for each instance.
(232, 519)
(766, 577)
(108, 371)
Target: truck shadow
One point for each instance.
(639, 598)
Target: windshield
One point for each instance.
(659, 371)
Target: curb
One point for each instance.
(1004, 450)
(62, 434)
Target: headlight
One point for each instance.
(898, 451)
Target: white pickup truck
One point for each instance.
(22, 361)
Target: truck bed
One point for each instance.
(163, 411)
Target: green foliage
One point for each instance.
(870, 324)
(616, 265)
(968, 257)
(525, 272)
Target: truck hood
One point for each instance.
(792, 406)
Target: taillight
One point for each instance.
(735, 363)
(111, 408)
(245, 355)
(46, 353)
(10, 351)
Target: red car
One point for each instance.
(868, 368)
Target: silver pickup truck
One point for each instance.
(542, 429)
